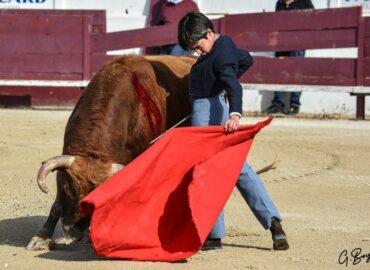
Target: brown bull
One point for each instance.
(129, 102)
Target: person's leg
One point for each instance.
(166, 49)
(178, 50)
(208, 112)
(277, 103)
(254, 193)
(218, 230)
(295, 97)
(295, 102)
(278, 98)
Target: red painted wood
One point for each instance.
(35, 24)
(367, 71)
(42, 43)
(98, 60)
(331, 28)
(360, 71)
(295, 40)
(98, 17)
(41, 63)
(360, 106)
(367, 26)
(137, 38)
(63, 59)
(43, 47)
(41, 96)
(283, 20)
(86, 48)
(367, 45)
(41, 76)
(296, 70)
(366, 62)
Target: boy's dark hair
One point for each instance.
(193, 27)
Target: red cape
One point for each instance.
(162, 206)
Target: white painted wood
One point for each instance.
(45, 83)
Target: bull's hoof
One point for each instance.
(38, 243)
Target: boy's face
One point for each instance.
(205, 44)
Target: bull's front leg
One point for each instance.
(43, 239)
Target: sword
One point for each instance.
(175, 125)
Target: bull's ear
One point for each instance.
(166, 93)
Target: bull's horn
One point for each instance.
(116, 167)
(51, 164)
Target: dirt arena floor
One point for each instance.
(321, 187)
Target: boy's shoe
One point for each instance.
(280, 242)
(212, 244)
(279, 238)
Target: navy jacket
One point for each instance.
(220, 70)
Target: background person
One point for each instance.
(170, 13)
(277, 105)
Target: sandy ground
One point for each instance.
(321, 187)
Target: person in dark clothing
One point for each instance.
(277, 105)
(213, 79)
(170, 13)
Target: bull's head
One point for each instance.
(74, 181)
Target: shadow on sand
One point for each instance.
(17, 232)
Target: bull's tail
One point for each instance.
(271, 166)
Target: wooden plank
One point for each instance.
(367, 67)
(41, 63)
(28, 24)
(367, 46)
(86, 47)
(367, 27)
(98, 17)
(303, 20)
(296, 70)
(295, 40)
(41, 96)
(45, 83)
(99, 60)
(41, 76)
(272, 41)
(338, 31)
(144, 37)
(360, 72)
(367, 81)
(360, 107)
(42, 42)
(45, 47)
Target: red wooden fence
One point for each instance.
(46, 45)
(72, 45)
(274, 31)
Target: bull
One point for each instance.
(129, 101)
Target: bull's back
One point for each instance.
(172, 74)
(108, 120)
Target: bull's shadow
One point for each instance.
(17, 232)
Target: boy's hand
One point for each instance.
(232, 123)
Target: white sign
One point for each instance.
(26, 4)
(350, 3)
